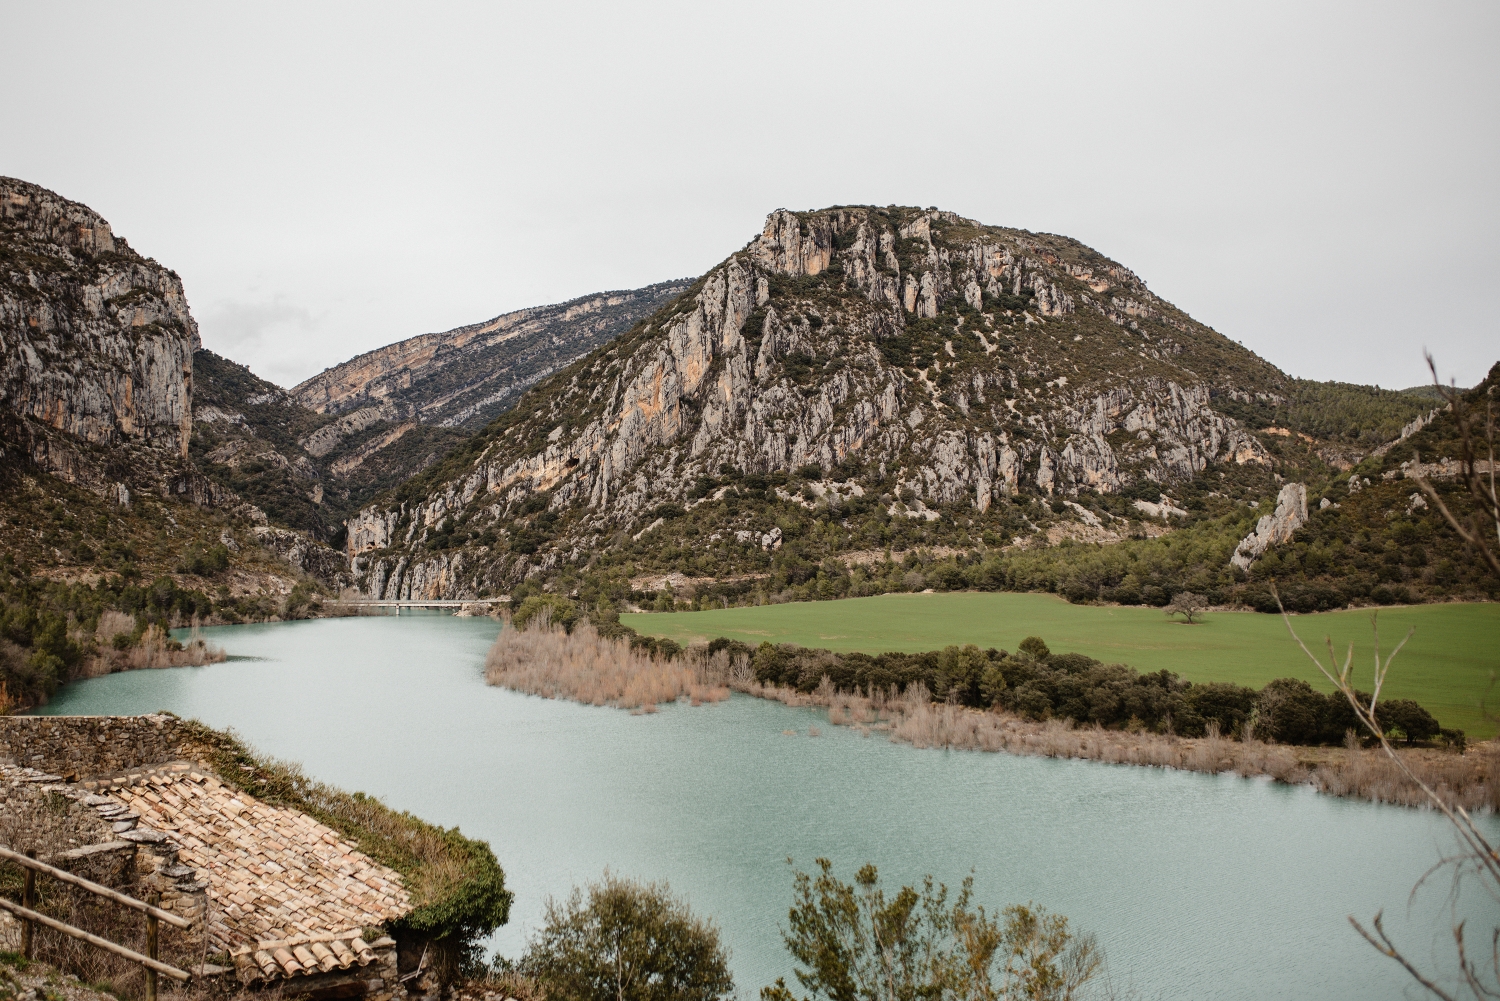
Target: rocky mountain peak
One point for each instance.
(465, 377)
(938, 360)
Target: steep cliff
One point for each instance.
(907, 363)
(95, 340)
(465, 377)
(97, 350)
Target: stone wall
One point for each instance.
(76, 747)
(40, 814)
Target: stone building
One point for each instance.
(288, 900)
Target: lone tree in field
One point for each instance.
(1188, 605)
(627, 941)
(851, 943)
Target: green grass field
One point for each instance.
(1446, 666)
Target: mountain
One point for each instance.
(465, 377)
(312, 456)
(96, 348)
(859, 400)
(305, 470)
(97, 393)
(862, 379)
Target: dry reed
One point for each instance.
(156, 648)
(155, 651)
(596, 670)
(1471, 779)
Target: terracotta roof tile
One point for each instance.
(270, 872)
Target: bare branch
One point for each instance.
(1485, 497)
(1472, 837)
(1463, 531)
(1385, 948)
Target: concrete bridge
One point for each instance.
(399, 604)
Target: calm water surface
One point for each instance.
(1196, 886)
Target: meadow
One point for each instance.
(1447, 665)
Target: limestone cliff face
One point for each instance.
(466, 376)
(955, 362)
(95, 340)
(1275, 528)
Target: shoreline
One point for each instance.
(590, 669)
(1470, 779)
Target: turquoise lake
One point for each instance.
(1195, 886)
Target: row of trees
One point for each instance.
(1040, 684)
(628, 941)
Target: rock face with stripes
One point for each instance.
(956, 363)
(95, 340)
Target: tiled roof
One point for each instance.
(274, 875)
(304, 955)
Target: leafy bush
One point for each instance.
(559, 610)
(205, 563)
(627, 941)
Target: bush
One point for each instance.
(1411, 720)
(205, 563)
(559, 610)
(852, 943)
(627, 941)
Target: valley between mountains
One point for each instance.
(859, 400)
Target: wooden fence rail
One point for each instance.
(154, 914)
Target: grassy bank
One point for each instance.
(1446, 666)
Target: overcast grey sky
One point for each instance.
(1316, 180)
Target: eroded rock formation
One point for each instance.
(466, 376)
(1276, 528)
(95, 340)
(963, 362)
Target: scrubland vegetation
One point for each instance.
(69, 556)
(52, 633)
(622, 940)
(542, 659)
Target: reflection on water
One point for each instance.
(1197, 886)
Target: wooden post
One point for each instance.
(28, 900)
(155, 901)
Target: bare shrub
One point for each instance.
(156, 649)
(596, 670)
(1477, 857)
(114, 623)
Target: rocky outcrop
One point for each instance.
(95, 340)
(1276, 528)
(310, 557)
(466, 376)
(958, 364)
